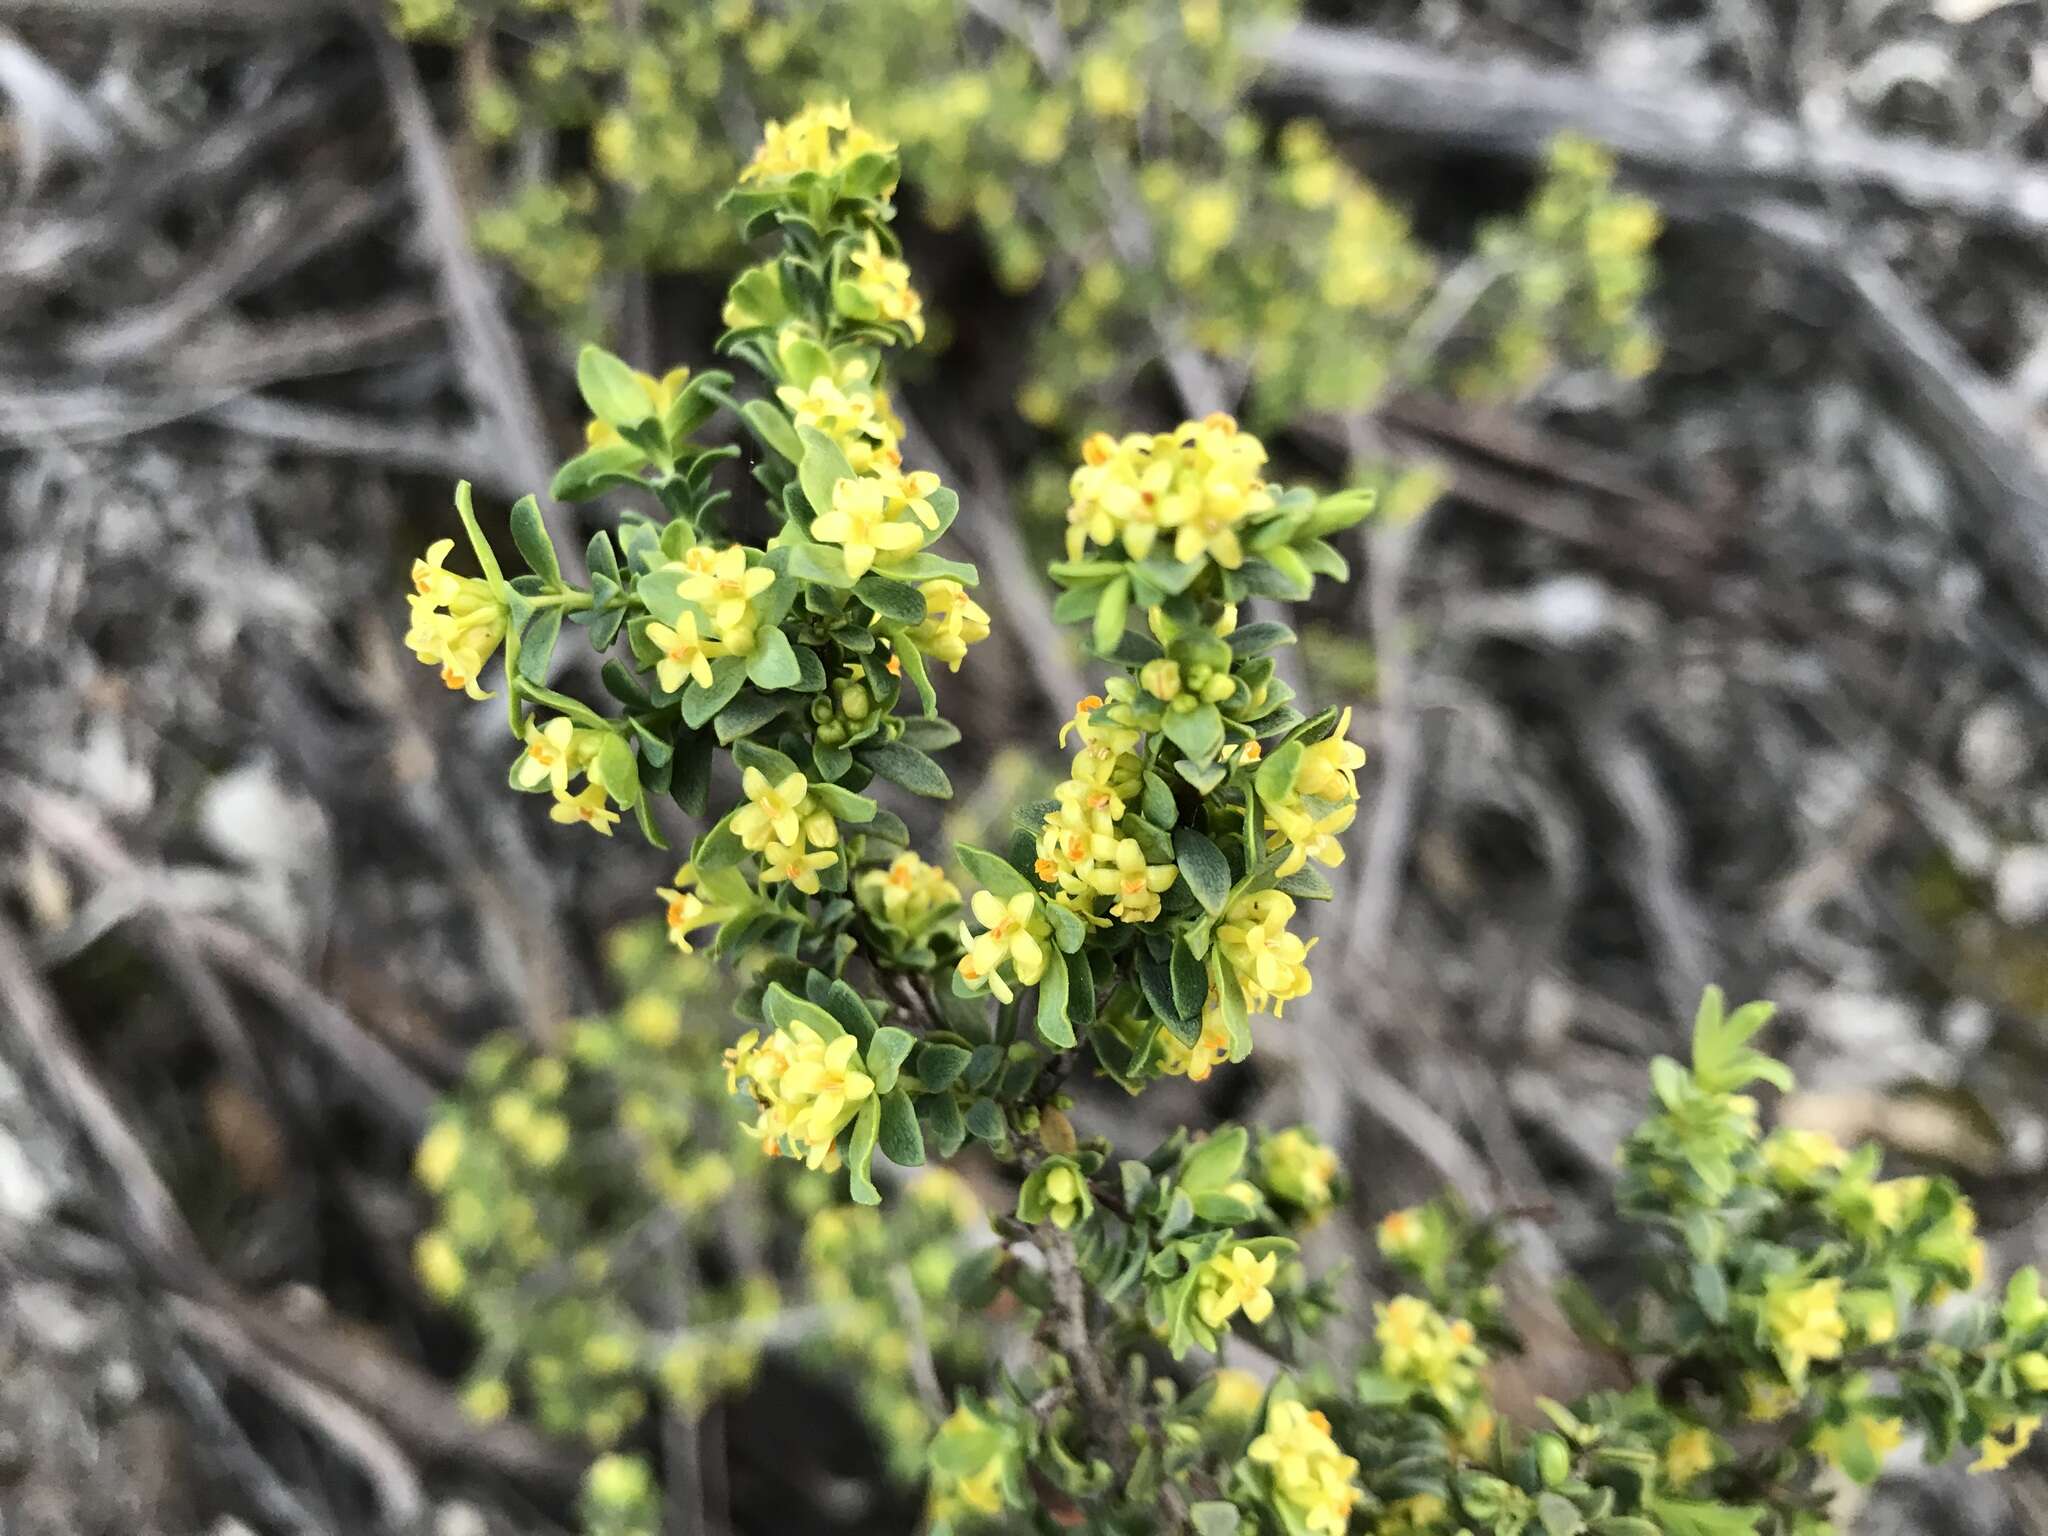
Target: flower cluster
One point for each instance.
(1196, 485)
(807, 1089)
(1079, 851)
(820, 140)
(458, 622)
(1271, 962)
(1311, 1476)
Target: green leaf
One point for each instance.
(1068, 931)
(822, 563)
(939, 1065)
(597, 470)
(897, 601)
(1278, 771)
(994, 875)
(1204, 868)
(844, 804)
(537, 645)
(746, 714)
(822, 467)
(885, 1055)
(942, 1118)
(914, 669)
(618, 770)
(907, 766)
(1110, 614)
(1189, 979)
(700, 704)
(985, 1121)
(785, 1010)
(860, 1153)
(1197, 732)
(1558, 1515)
(1710, 1290)
(1053, 1025)
(611, 389)
(1214, 1517)
(530, 534)
(772, 428)
(772, 664)
(901, 1140)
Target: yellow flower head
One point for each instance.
(952, 622)
(1197, 484)
(865, 524)
(1421, 1346)
(685, 656)
(1271, 963)
(1994, 1454)
(796, 864)
(590, 807)
(1687, 1454)
(1133, 884)
(822, 138)
(1797, 1159)
(907, 893)
(457, 622)
(1236, 1280)
(725, 587)
(1013, 937)
(883, 286)
(1299, 1169)
(555, 753)
(773, 813)
(1805, 1324)
(808, 1089)
(1196, 1062)
(858, 420)
(1311, 1475)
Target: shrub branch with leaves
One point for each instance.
(1791, 1310)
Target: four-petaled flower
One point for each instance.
(773, 812)
(1236, 1280)
(684, 654)
(864, 525)
(1014, 930)
(727, 589)
(589, 807)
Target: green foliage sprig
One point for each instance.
(1060, 1364)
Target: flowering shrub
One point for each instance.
(1106, 155)
(1058, 1364)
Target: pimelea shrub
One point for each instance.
(606, 1212)
(1105, 152)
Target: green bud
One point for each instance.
(1553, 1460)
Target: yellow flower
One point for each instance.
(683, 654)
(1328, 777)
(1271, 963)
(661, 394)
(864, 525)
(1401, 1233)
(589, 807)
(551, 756)
(823, 138)
(1421, 1346)
(1766, 1401)
(725, 587)
(1879, 1436)
(907, 892)
(952, 622)
(1196, 1062)
(618, 1482)
(808, 1089)
(1198, 483)
(457, 622)
(1805, 1324)
(1236, 1281)
(791, 862)
(773, 812)
(1013, 933)
(1108, 86)
(440, 1151)
(1994, 1454)
(1686, 1455)
(684, 911)
(439, 1266)
(1067, 1194)
(1134, 883)
(1299, 1169)
(1796, 1159)
(1311, 1476)
(859, 421)
(883, 284)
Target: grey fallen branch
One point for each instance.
(1504, 105)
